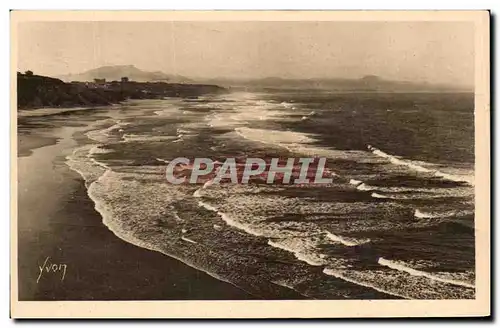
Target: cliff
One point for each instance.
(35, 91)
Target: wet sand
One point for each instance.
(59, 226)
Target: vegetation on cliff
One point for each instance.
(35, 91)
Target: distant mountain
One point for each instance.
(368, 83)
(115, 73)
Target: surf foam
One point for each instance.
(339, 274)
(300, 253)
(432, 215)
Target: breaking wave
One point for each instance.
(299, 252)
(364, 187)
(341, 275)
(139, 207)
(377, 195)
(346, 240)
(432, 215)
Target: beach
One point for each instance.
(58, 225)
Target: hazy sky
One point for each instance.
(440, 52)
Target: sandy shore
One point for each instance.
(59, 226)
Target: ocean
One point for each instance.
(397, 221)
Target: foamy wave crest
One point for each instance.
(263, 208)
(401, 283)
(243, 111)
(274, 137)
(396, 160)
(396, 192)
(198, 192)
(457, 178)
(347, 241)
(146, 138)
(419, 168)
(364, 187)
(104, 135)
(302, 143)
(299, 143)
(127, 221)
(423, 215)
(238, 225)
(96, 162)
(49, 111)
(410, 194)
(207, 206)
(307, 116)
(189, 240)
(401, 267)
(341, 275)
(287, 105)
(81, 162)
(99, 150)
(167, 111)
(355, 182)
(181, 131)
(230, 221)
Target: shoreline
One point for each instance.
(61, 226)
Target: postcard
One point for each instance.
(250, 164)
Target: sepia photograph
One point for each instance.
(250, 164)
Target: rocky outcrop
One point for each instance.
(35, 91)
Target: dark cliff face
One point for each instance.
(41, 91)
(35, 91)
(116, 72)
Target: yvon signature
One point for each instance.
(51, 268)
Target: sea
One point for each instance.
(397, 220)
